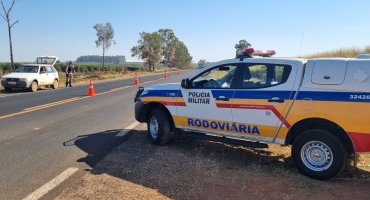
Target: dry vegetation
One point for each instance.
(342, 52)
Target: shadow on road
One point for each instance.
(96, 145)
(197, 169)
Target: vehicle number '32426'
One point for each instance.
(355, 96)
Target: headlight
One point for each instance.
(3, 78)
(23, 79)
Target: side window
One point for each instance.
(218, 77)
(48, 69)
(42, 69)
(53, 69)
(265, 75)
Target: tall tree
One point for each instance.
(182, 58)
(105, 35)
(168, 43)
(6, 17)
(148, 49)
(242, 45)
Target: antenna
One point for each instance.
(301, 45)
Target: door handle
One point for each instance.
(276, 100)
(222, 98)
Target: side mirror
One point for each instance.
(185, 83)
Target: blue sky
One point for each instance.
(209, 29)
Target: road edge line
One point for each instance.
(128, 129)
(51, 184)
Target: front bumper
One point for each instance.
(138, 103)
(14, 84)
(138, 107)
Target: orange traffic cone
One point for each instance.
(91, 92)
(136, 82)
(165, 75)
(178, 72)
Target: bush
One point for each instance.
(59, 67)
(81, 68)
(132, 69)
(7, 67)
(97, 68)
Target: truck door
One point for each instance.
(207, 103)
(263, 100)
(43, 76)
(50, 75)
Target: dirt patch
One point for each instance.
(196, 169)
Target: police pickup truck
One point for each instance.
(319, 106)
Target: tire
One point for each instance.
(319, 154)
(158, 127)
(34, 86)
(55, 84)
(8, 89)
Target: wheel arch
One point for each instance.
(147, 108)
(320, 123)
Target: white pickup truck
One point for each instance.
(319, 106)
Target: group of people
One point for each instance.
(70, 69)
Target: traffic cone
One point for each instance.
(91, 92)
(165, 75)
(136, 82)
(178, 72)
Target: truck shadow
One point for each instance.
(96, 145)
(188, 168)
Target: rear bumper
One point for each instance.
(361, 141)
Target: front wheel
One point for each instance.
(319, 154)
(159, 127)
(34, 86)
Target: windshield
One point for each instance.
(27, 69)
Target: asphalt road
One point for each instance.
(45, 133)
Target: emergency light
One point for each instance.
(264, 53)
(248, 52)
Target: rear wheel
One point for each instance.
(319, 154)
(158, 127)
(34, 86)
(55, 84)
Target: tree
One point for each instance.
(202, 63)
(162, 45)
(168, 44)
(242, 45)
(105, 37)
(6, 17)
(148, 49)
(182, 58)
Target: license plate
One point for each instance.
(12, 83)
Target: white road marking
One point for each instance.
(127, 129)
(51, 184)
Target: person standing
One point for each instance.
(70, 69)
